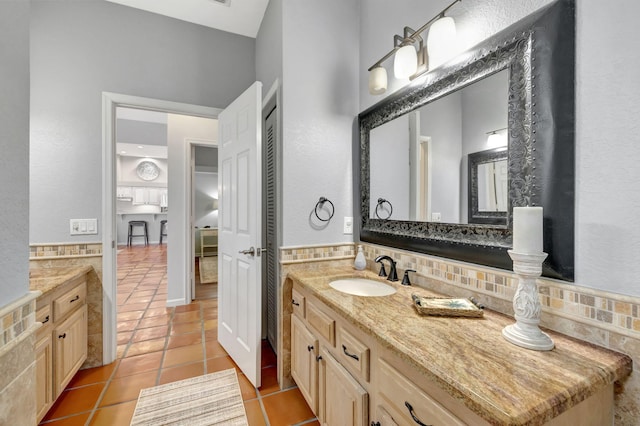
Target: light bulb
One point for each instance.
(377, 80)
(405, 63)
(441, 42)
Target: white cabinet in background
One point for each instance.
(146, 196)
(124, 193)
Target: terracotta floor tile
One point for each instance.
(210, 335)
(121, 350)
(254, 413)
(287, 408)
(139, 364)
(92, 375)
(154, 321)
(209, 313)
(113, 415)
(159, 303)
(124, 337)
(182, 317)
(128, 388)
(220, 363)
(183, 355)
(246, 387)
(185, 340)
(150, 333)
(173, 374)
(128, 316)
(183, 328)
(127, 325)
(144, 293)
(210, 324)
(269, 381)
(188, 308)
(78, 420)
(154, 312)
(145, 347)
(214, 349)
(75, 401)
(128, 307)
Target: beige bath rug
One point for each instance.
(213, 399)
(208, 269)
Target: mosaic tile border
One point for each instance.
(16, 320)
(316, 253)
(48, 251)
(611, 311)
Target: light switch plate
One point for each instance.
(83, 226)
(348, 225)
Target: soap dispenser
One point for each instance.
(360, 263)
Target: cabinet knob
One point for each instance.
(375, 423)
(62, 336)
(310, 348)
(319, 358)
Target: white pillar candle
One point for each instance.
(527, 229)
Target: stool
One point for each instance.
(163, 229)
(131, 235)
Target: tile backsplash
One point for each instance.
(51, 250)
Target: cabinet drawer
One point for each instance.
(297, 302)
(353, 353)
(403, 398)
(43, 315)
(69, 301)
(322, 323)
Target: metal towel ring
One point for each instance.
(319, 204)
(382, 201)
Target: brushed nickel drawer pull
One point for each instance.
(413, 416)
(75, 298)
(344, 349)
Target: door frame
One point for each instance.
(110, 101)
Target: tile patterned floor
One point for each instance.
(158, 345)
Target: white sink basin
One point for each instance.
(362, 287)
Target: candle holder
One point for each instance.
(526, 304)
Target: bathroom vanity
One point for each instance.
(61, 341)
(373, 360)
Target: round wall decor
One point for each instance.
(147, 170)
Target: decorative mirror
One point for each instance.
(403, 179)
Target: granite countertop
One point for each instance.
(469, 358)
(48, 279)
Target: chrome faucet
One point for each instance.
(393, 275)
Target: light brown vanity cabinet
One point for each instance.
(304, 366)
(61, 342)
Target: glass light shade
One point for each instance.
(495, 140)
(377, 80)
(441, 42)
(405, 63)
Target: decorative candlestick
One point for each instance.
(526, 304)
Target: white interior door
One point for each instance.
(240, 231)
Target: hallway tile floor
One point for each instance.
(158, 345)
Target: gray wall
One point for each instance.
(320, 103)
(80, 49)
(14, 145)
(269, 46)
(141, 132)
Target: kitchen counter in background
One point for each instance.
(153, 222)
(468, 358)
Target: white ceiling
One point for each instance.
(237, 16)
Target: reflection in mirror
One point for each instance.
(418, 160)
(488, 187)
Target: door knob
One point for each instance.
(250, 251)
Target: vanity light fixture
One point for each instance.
(496, 138)
(411, 61)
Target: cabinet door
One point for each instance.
(140, 196)
(343, 402)
(153, 197)
(44, 376)
(304, 367)
(70, 347)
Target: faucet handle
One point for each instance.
(383, 272)
(405, 279)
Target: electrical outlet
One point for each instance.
(348, 225)
(83, 226)
(436, 217)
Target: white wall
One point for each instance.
(80, 49)
(14, 146)
(607, 107)
(320, 104)
(180, 130)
